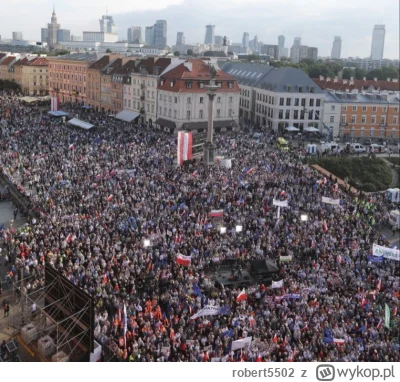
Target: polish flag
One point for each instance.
(379, 324)
(325, 226)
(110, 198)
(339, 259)
(195, 173)
(259, 358)
(275, 339)
(363, 301)
(250, 171)
(379, 285)
(241, 296)
(183, 260)
(217, 213)
(71, 147)
(69, 238)
(283, 193)
(338, 341)
(394, 311)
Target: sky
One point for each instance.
(315, 21)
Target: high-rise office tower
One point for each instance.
(281, 45)
(378, 42)
(245, 40)
(107, 24)
(218, 40)
(336, 47)
(63, 35)
(134, 34)
(180, 38)
(210, 33)
(297, 41)
(160, 33)
(17, 36)
(44, 35)
(149, 35)
(53, 27)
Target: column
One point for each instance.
(210, 129)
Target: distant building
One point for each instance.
(134, 34)
(297, 41)
(17, 36)
(281, 45)
(378, 42)
(301, 52)
(76, 38)
(336, 47)
(160, 33)
(218, 40)
(44, 35)
(210, 33)
(245, 40)
(100, 36)
(149, 35)
(63, 35)
(312, 53)
(107, 24)
(180, 38)
(270, 50)
(53, 27)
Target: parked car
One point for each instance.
(357, 148)
(379, 148)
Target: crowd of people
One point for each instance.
(110, 209)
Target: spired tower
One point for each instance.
(53, 27)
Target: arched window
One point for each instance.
(352, 132)
(362, 132)
(372, 132)
(189, 100)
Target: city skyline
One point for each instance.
(232, 21)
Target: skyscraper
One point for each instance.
(63, 35)
(134, 34)
(149, 35)
(378, 42)
(281, 45)
(107, 24)
(180, 38)
(245, 40)
(297, 41)
(53, 27)
(210, 33)
(17, 36)
(160, 33)
(336, 47)
(218, 40)
(44, 35)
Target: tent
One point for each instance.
(292, 128)
(127, 116)
(58, 113)
(82, 124)
(311, 129)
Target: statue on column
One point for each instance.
(213, 72)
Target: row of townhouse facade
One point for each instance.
(279, 98)
(30, 73)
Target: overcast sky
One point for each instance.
(315, 21)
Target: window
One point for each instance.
(333, 107)
(393, 133)
(372, 132)
(383, 120)
(352, 131)
(288, 100)
(230, 99)
(296, 102)
(332, 119)
(373, 119)
(396, 109)
(362, 132)
(354, 108)
(318, 102)
(343, 120)
(171, 84)
(218, 113)
(218, 99)
(165, 111)
(201, 99)
(280, 114)
(382, 133)
(201, 114)
(394, 120)
(159, 97)
(373, 108)
(287, 114)
(295, 114)
(148, 108)
(188, 114)
(176, 99)
(281, 101)
(230, 112)
(189, 100)
(188, 85)
(230, 85)
(311, 102)
(201, 85)
(169, 112)
(385, 109)
(303, 102)
(344, 108)
(300, 89)
(175, 114)
(363, 119)
(353, 119)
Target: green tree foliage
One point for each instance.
(347, 73)
(176, 54)
(9, 85)
(360, 73)
(190, 52)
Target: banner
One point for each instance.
(227, 163)
(55, 103)
(387, 253)
(210, 310)
(184, 147)
(387, 316)
(280, 203)
(242, 343)
(326, 200)
(285, 259)
(277, 284)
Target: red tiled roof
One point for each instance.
(199, 72)
(357, 84)
(40, 61)
(2, 55)
(7, 61)
(100, 64)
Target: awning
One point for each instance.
(29, 99)
(82, 124)
(310, 129)
(204, 125)
(166, 123)
(127, 116)
(292, 128)
(58, 113)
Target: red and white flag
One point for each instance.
(184, 147)
(69, 238)
(55, 103)
(325, 226)
(250, 171)
(241, 296)
(217, 213)
(339, 259)
(338, 341)
(183, 260)
(71, 147)
(110, 198)
(379, 324)
(379, 285)
(195, 173)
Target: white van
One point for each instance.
(330, 146)
(357, 148)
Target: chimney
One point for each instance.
(351, 82)
(321, 78)
(351, 78)
(335, 79)
(388, 79)
(344, 82)
(328, 79)
(395, 80)
(364, 78)
(375, 78)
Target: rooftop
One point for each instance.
(8, 60)
(352, 97)
(76, 57)
(39, 61)
(343, 85)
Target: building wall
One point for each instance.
(105, 96)
(93, 88)
(331, 116)
(34, 80)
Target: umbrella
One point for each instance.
(311, 129)
(292, 128)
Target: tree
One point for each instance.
(347, 73)
(375, 73)
(360, 73)
(176, 54)
(190, 52)
(108, 50)
(389, 72)
(253, 57)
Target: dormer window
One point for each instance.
(230, 85)
(162, 82)
(188, 85)
(171, 84)
(201, 85)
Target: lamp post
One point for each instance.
(209, 148)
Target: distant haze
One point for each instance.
(315, 21)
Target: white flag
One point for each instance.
(277, 284)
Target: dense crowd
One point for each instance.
(95, 198)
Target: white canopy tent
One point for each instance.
(310, 129)
(127, 116)
(292, 128)
(82, 124)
